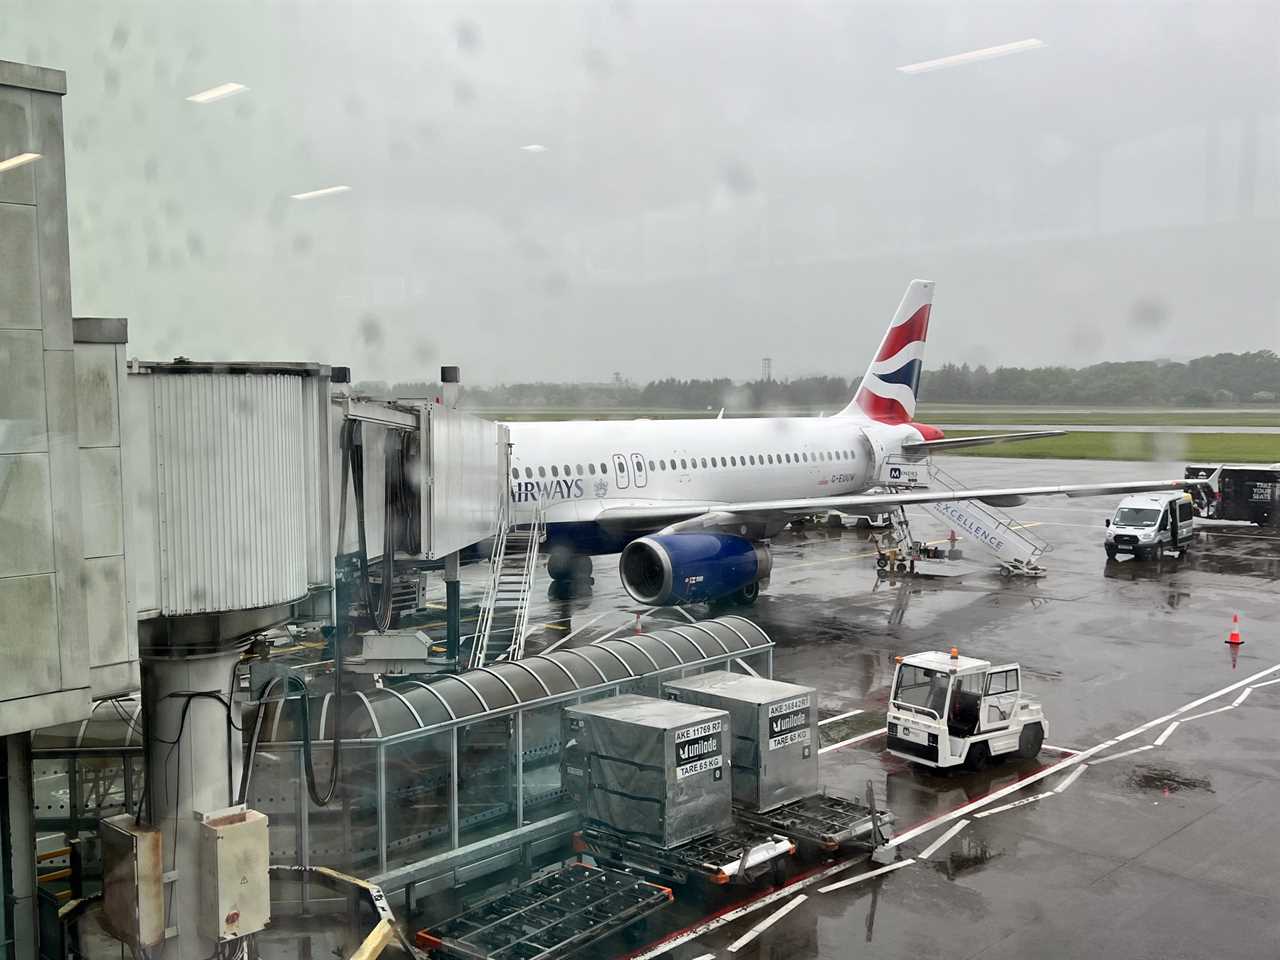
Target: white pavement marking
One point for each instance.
(1210, 713)
(1050, 746)
(766, 923)
(1168, 732)
(1083, 755)
(1243, 697)
(1010, 806)
(706, 956)
(842, 716)
(1071, 778)
(1124, 753)
(851, 740)
(866, 876)
(569, 636)
(613, 632)
(938, 844)
(689, 616)
(1266, 683)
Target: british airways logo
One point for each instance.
(529, 491)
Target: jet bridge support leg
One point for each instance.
(453, 608)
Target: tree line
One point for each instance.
(1223, 378)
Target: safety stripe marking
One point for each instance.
(1210, 713)
(842, 716)
(1010, 806)
(1071, 778)
(1124, 753)
(766, 923)
(865, 876)
(857, 739)
(1243, 697)
(937, 845)
(1168, 732)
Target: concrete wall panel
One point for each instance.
(101, 501)
(28, 636)
(97, 409)
(26, 515)
(19, 185)
(23, 428)
(51, 196)
(108, 618)
(19, 265)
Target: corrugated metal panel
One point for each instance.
(466, 472)
(231, 497)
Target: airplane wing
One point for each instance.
(950, 443)
(657, 515)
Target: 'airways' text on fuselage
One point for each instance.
(527, 491)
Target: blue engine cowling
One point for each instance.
(674, 568)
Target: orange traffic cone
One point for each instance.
(1233, 638)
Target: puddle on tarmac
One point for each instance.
(1166, 781)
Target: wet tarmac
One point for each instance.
(1172, 851)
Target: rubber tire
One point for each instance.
(1030, 741)
(747, 595)
(882, 562)
(902, 567)
(1111, 552)
(560, 562)
(581, 566)
(978, 757)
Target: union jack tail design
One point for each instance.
(889, 387)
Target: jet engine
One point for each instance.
(675, 568)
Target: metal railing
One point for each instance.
(999, 520)
(511, 576)
(484, 623)
(536, 529)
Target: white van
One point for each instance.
(1147, 524)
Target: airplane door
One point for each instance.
(638, 471)
(621, 472)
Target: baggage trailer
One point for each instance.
(824, 823)
(552, 916)
(741, 854)
(1239, 491)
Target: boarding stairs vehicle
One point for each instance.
(950, 711)
(504, 612)
(1017, 551)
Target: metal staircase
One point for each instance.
(1018, 550)
(504, 613)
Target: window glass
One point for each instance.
(604, 468)
(704, 461)
(515, 473)
(542, 471)
(567, 471)
(752, 458)
(733, 461)
(579, 469)
(651, 467)
(591, 469)
(662, 464)
(554, 471)
(684, 465)
(1184, 511)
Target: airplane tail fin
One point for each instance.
(890, 385)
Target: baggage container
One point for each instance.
(775, 733)
(649, 769)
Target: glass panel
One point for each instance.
(417, 798)
(486, 781)
(543, 794)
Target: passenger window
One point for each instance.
(723, 463)
(542, 471)
(704, 462)
(591, 469)
(651, 467)
(753, 460)
(528, 473)
(684, 465)
(579, 469)
(567, 471)
(515, 473)
(554, 471)
(604, 468)
(733, 461)
(1184, 511)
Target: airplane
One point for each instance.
(691, 505)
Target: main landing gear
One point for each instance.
(563, 563)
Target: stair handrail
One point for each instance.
(1001, 518)
(516, 649)
(484, 623)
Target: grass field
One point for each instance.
(1211, 447)
(943, 414)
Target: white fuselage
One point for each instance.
(577, 469)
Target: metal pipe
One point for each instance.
(381, 788)
(453, 790)
(520, 769)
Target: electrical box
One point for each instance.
(235, 895)
(775, 733)
(653, 770)
(132, 882)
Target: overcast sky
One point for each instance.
(720, 181)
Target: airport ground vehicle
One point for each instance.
(1147, 524)
(1239, 491)
(948, 711)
